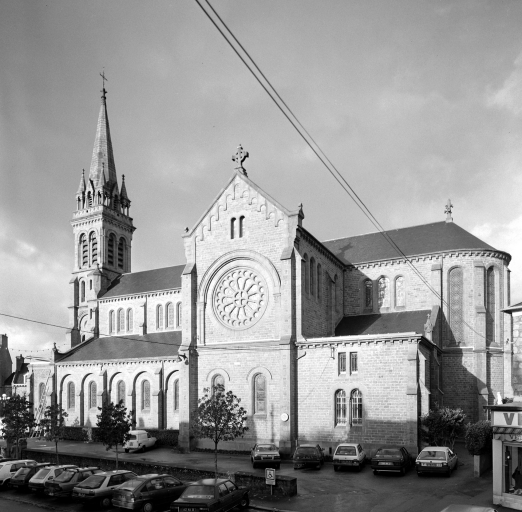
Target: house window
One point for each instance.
(217, 380)
(112, 323)
(110, 250)
(120, 392)
(259, 394)
(353, 362)
(121, 253)
(368, 294)
(312, 276)
(456, 305)
(170, 314)
(92, 395)
(176, 395)
(340, 407)
(71, 395)
(159, 317)
(232, 228)
(342, 362)
(400, 298)
(490, 305)
(178, 314)
(145, 395)
(93, 242)
(130, 321)
(241, 226)
(84, 252)
(82, 291)
(121, 320)
(384, 292)
(356, 407)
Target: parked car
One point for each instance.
(436, 459)
(349, 455)
(263, 454)
(98, 488)
(468, 508)
(139, 440)
(65, 482)
(20, 480)
(9, 468)
(211, 495)
(148, 492)
(37, 482)
(391, 458)
(307, 455)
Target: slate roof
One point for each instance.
(146, 281)
(386, 323)
(158, 344)
(17, 377)
(415, 240)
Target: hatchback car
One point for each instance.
(308, 455)
(65, 482)
(211, 495)
(349, 455)
(147, 492)
(139, 440)
(391, 458)
(20, 480)
(98, 488)
(9, 468)
(265, 454)
(436, 459)
(37, 482)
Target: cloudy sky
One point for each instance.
(414, 101)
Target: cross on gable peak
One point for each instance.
(239, 157)
(448, 211)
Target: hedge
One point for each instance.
(167, 437)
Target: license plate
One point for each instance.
(431, 464)
(385, 463)
(267, 457)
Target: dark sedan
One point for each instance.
(21, 478)
(148, 492)
(211, 495)
(308, 455)
(265, 454)
(391, 458)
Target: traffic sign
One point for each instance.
(270, 476)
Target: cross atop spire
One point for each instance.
(239, 157)
(103, 91)
(448, 211)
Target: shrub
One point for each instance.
(74, 434)
(167, 437)
(442, 425)
(478, 437)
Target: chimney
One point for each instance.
(19, 363)
(4, 341)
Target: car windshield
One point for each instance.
(42, 473)
(129, 485)
(388, 452)
(432, 454)
(93, 482)
(346, 450)
(66, 476)
(199, 492)
(23, 471)
(306, 451)
(266, 448)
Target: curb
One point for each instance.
(268, 509)
(26, 502)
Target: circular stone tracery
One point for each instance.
(240, 298)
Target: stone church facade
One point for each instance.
(344, 340)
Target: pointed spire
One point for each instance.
(123, 191)
(102, 162)
(81, 188)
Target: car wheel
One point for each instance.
(336, 467)
(278, 466)
(448, 474)
(254, 465)
(419, 473)
(403, 471)
(147, 507)
(126, 450)
(375, 472)
(244, 502)
(105, 502)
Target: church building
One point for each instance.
(350, 339)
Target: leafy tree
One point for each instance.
(18, 420)
(219, 417)
(53, 425)
(442, 425)
(478, 437)
(114, 425)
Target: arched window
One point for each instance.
(83, 250)
(130, 322)
(400, 297)
(368, 294)
(384, 292)
(178, 314)
(93, 391)
(41, 392)
(82, 291)
(121, 253)
(89, 198)
(112, 322)
(93, 242)
(456, 305)
(319, 282)
(340, 407)
(312, 276)
(232, 228)
(241, 226)
(120, 392)
(259, 394)
(176, 395)
(491, 304)
(217, 380)
(306, 274)
(145, 395)
(71, 395)
(356, 407)
(170, 314)
(121, 320)
(111, 247)
(159, 317)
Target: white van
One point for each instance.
(139, 440)
(9, 468)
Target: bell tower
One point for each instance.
(102, 231)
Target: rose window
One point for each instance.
(240, 298)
